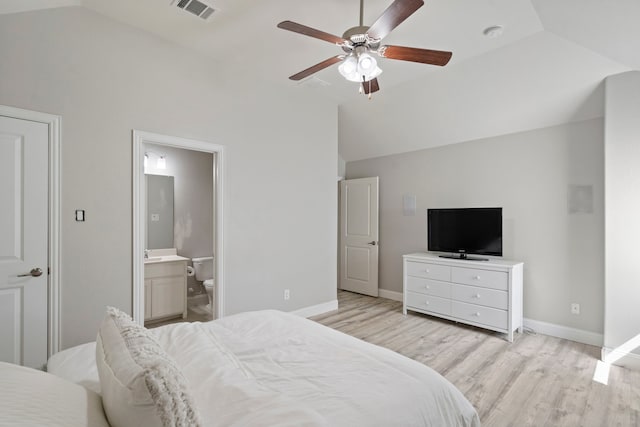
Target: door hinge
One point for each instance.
(48, 271)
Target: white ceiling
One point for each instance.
(545, 69)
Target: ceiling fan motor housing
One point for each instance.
(356, 33)
(358, 37)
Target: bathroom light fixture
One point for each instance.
(161, 163)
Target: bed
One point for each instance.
(265, 368)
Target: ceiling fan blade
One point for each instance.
(413, 54)
(392, 17)
(315, 68)
(371, 86)
(311, 32)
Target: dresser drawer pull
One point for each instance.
(427, 287)
(476, 277)
(477, 314)
(426, 303)
(477, 296)
(426, 270)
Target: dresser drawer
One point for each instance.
(479, 314)
(477, 277)
(429, 271)
(429, 303)
(480, 296)
(164, 269)
(429, 287)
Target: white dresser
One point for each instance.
(487, 294)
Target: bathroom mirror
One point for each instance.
(159, 229)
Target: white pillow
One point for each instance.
(29, 397)
(141, 385)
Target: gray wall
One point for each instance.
(105, 79)
(622, 184)
(529, 174)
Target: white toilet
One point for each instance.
(204, 273)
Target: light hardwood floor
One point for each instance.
(535, 381)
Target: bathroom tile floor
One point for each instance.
(198, 313)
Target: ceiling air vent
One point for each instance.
(196, 7)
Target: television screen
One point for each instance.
(465, 230)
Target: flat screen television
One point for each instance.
(463, 231)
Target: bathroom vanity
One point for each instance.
(165, 285)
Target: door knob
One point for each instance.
(35, 272)
(372, 243)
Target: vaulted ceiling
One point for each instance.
(545, 69)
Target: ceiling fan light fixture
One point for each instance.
(366, 63)
(348, 67)
(358, 69)
(353, 77)
(375, 73)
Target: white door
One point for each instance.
(23, 241)
(359, 235)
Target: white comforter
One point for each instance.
(270, 368)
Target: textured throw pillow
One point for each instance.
(141, 385)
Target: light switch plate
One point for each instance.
(80, 215)
(155, 217)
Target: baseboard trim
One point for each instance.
(392, 295)
(565, 332)
(617, 357)
(317, 309)
(551, 329)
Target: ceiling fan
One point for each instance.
(358, 43)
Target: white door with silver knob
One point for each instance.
(23, 241)
(359, 236)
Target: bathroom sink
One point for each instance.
(156, 258)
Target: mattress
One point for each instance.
(274, 368)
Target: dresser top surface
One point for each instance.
(436, 259)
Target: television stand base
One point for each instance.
(464, 257)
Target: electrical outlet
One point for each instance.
(575, 308)
(287, 294)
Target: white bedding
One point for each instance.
(29, 397)
(272, 368)
(77, 364)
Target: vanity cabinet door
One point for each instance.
(167, 296)
(147, 299)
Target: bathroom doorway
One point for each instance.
(177, 239)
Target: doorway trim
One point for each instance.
(54, 123)
(139, 195)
